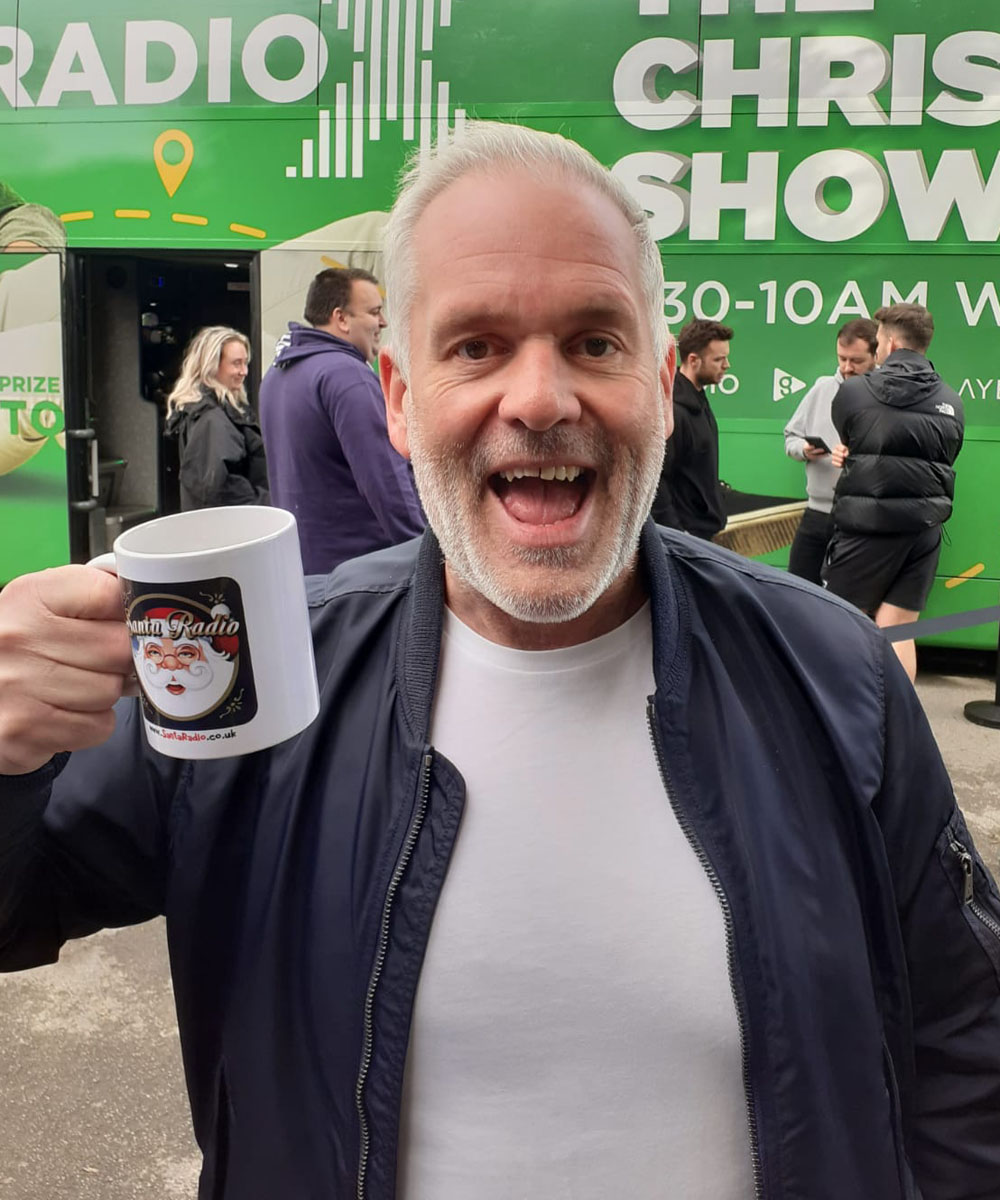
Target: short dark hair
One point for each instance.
(859, 330)
(910, 324)
(696, 335)
(330, 290)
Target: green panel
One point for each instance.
(33, 508)
(785, 311)
(255, 124)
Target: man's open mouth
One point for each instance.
(542, 495)
(176, 689)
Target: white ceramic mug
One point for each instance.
(215, 601)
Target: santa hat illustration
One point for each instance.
(227, 644)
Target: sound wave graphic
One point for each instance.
(382, 86)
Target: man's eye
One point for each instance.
(475, 350)
(597, 347)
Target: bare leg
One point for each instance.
(888, 615)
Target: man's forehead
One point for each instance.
(364, 290)
(514, 209)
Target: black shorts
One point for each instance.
(873, 569)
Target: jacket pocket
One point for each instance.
(974, 888)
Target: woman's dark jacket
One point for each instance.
(903, 426)
(299, 887)
(220, 455)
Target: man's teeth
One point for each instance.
(562, 473)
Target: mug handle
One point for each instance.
(106, 562)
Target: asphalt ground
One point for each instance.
(92, 1103)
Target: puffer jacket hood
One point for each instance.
(906, 380)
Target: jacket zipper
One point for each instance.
(968, 893)
(423, 795)
(696, 846)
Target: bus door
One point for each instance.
(132, 315)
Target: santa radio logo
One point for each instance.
(191, 657)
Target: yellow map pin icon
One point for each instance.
(172, 174)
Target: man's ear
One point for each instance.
(668, 369)
(395, 388)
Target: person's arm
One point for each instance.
(31, 227)
(949, 914)
(798, 426)
(664, 511)
(210, 459)
(382, 476)
(87, 857)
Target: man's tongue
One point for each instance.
(541, 501)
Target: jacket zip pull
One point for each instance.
(965, 860)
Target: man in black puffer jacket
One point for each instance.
(901, 430)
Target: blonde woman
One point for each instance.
(220, 450)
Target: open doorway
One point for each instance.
(132, 316)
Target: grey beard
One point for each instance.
(448, 486)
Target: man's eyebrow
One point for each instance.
(483, 318)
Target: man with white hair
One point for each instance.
(614, 865)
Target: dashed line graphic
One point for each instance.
(171, 176)
(965, 576)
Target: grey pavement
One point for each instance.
(92, 1103)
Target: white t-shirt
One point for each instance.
(575, 1034)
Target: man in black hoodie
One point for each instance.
(900, 430)
(690, 495)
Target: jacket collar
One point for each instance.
(419, 649)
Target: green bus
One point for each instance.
(802, 163)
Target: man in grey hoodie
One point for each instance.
(810, 437)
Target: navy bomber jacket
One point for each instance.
(299, 886)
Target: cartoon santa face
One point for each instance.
(184, 678)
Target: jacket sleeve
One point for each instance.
(211, 455)
(798, 426)
(949, 913)
(664, 511)
(839, 414)
(83, 844)
(382, 476)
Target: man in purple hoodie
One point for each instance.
(322, 414)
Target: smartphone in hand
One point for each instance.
(817, 443)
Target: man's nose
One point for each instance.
(537, 388)
(382, 322)
(171, 662)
